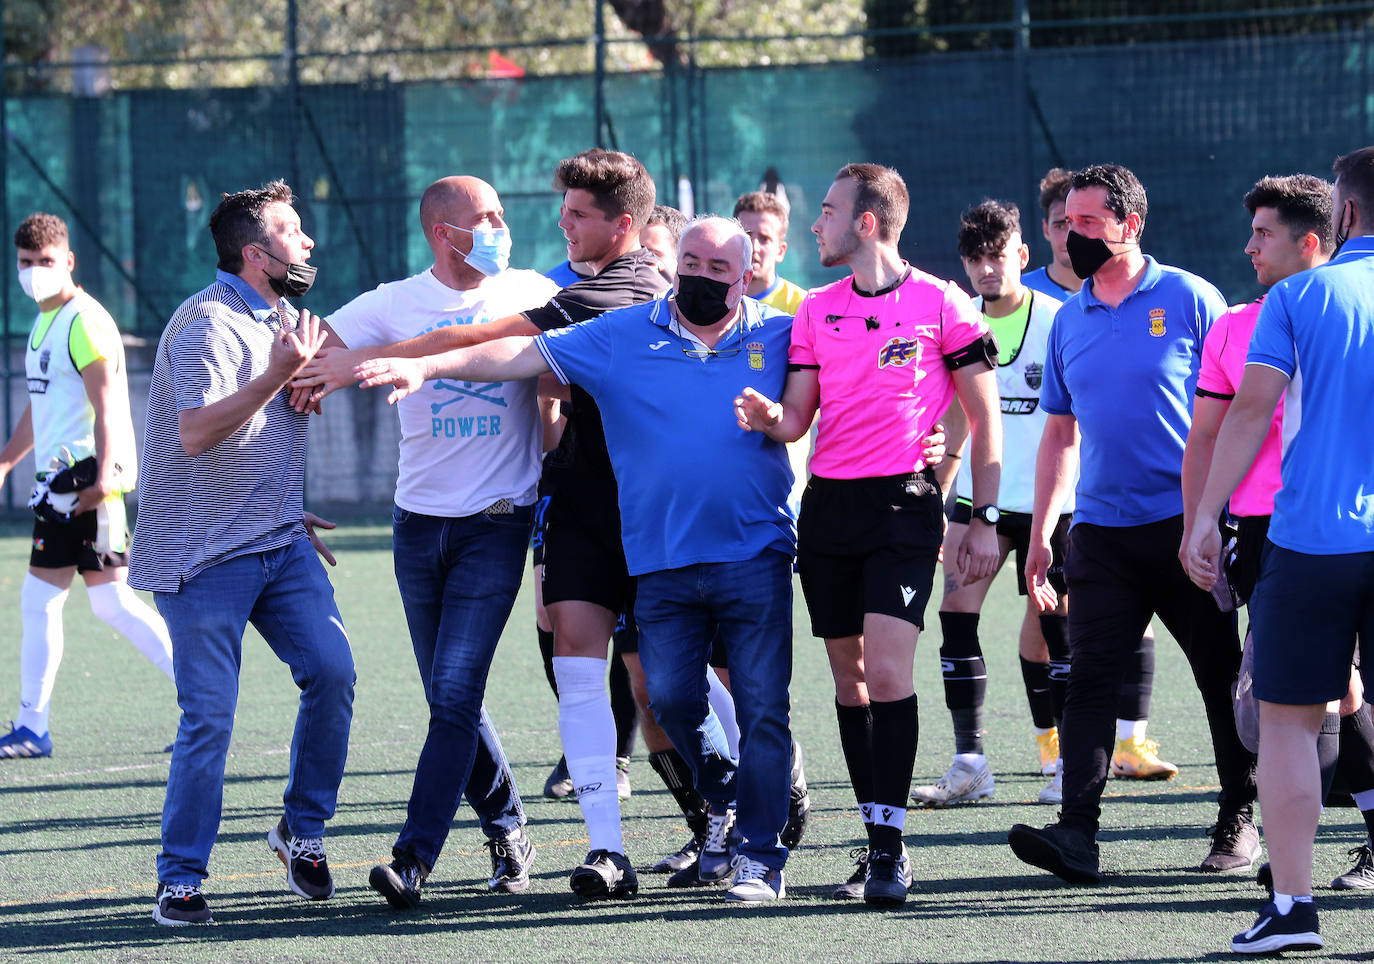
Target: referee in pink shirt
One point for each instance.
(887, 349)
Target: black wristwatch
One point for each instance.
(987, 513)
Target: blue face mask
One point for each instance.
(490, 252)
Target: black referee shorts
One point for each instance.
(868, 546)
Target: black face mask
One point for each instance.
(1086, 255)
(297, 281)
(1342, 231)
(701, 300)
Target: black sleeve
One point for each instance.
(979, 350)
(581, 301)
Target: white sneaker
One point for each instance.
(1054, 793)
(960, 784)
(755, 883)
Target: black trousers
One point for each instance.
(1119, 577)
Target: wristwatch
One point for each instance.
(987, 513)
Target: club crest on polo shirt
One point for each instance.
(899, 352)
(1157, 322)
(755, 349)
(1035, 374)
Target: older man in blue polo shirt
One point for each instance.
(706, 526)
(1321, 539)
(1121, 370)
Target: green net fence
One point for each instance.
(136, 171)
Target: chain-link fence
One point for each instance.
(964, 110)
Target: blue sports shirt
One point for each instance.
(1127, 374)
(1040, 280)
(1317, 327)
(694, 486)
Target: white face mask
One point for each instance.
(40, 282)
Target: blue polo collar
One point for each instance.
(1356, 247)
(1147, 281)
(661, 314)
(260, 309)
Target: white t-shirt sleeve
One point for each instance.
(364, 320)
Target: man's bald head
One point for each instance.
(724, 234)
(455, 200)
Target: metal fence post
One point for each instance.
(599, 79)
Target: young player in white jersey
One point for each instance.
(78, 427)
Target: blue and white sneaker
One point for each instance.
(715, 862)
(755, 883)
(1294, 931)
(21, 743)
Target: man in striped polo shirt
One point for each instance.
(222, 540)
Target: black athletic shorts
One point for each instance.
(868, 546)
(1016, 526)
(1252, 532)
(57, 545)
(584, 562)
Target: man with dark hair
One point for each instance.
(222, 540)
(884, 351)
(993, 254)
(78, 427)
(469, 463)
(1312, 340)
(1121, 367)
(1134, 756)
(660, 235)
(607, 196)
(765, 217)
(715, 558)
(1055, 279)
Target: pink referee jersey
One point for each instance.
(881, 366)
(1223, 366)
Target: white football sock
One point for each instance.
(724, 704)
(587, 728)
(40, 651)
(119, 606)
(1131, 729)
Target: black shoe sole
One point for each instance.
(1031, 848)
(590, 885)
(388, 883)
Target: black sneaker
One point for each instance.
(307, 871)
(1067, 853)
(511, 860)
(889, 878)
(1295, 931)
(177, 905)
(604, 873)
(399, 882)
(799, 804)
(1265, 878)
(853, 888)
(1235, 845)
(690, 876)
(559, 785)
(1360, 876)
(683, 859)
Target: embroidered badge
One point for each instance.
(755, 349)
(1157, 322)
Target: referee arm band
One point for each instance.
(1203, 393)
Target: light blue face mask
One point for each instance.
(490, 252)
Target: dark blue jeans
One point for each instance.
(285, 594)
(749, 603)
(458, 580)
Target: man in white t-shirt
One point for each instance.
(469, 465)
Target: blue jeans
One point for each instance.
(285, 594)
(750, 604)
(458, 580)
